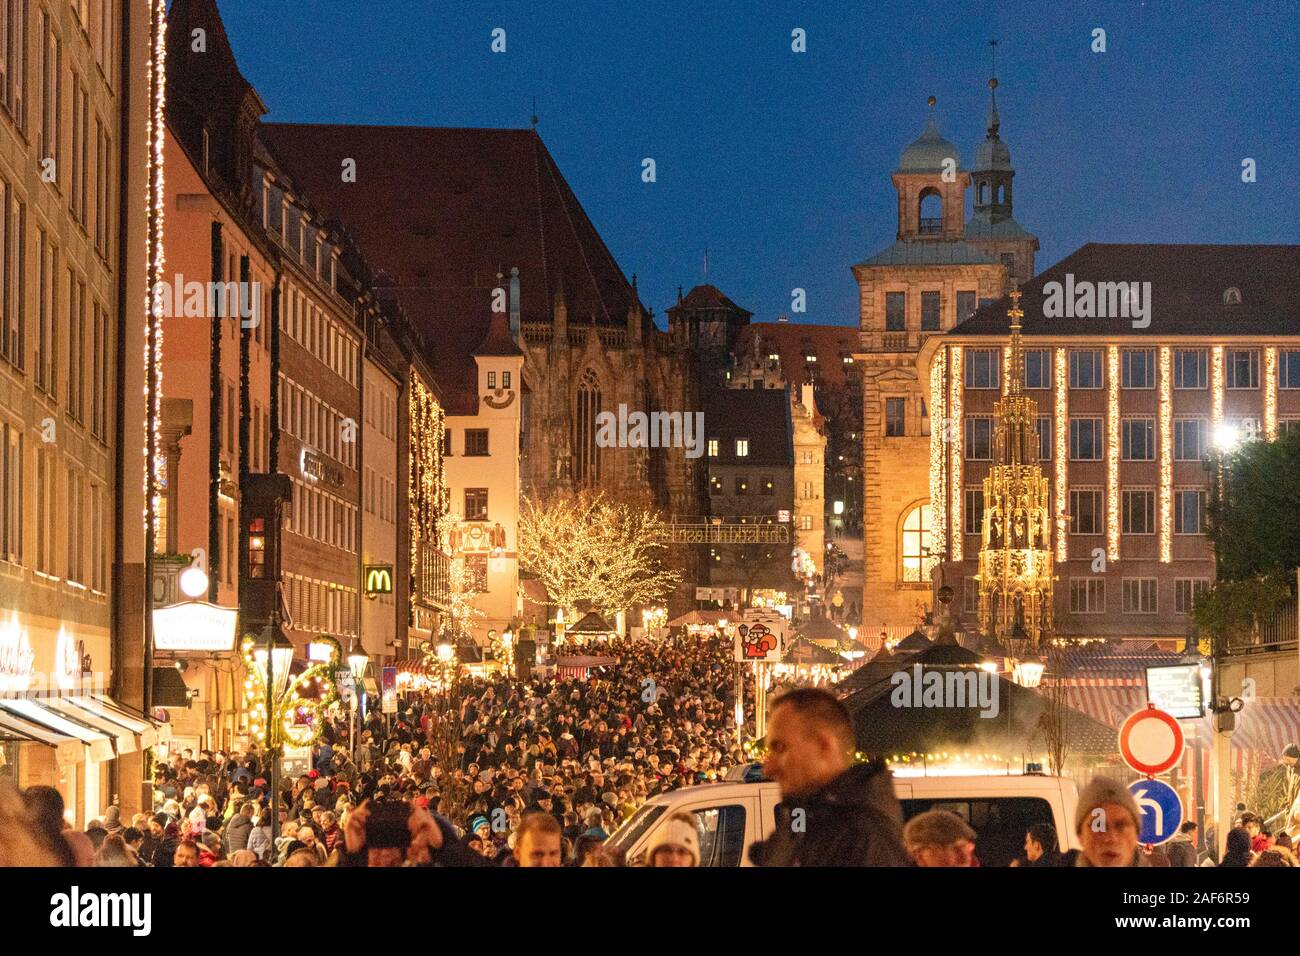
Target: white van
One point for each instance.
(733, 815)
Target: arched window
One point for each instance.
(1232, 296)
(930, 211)
(983, 194)
(915, 545)
(586, 456)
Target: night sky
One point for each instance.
(779, 162)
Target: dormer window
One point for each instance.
(505, 379)
(492, 379)
(1232, 296)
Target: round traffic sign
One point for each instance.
(1151, 741)
(1161, 809)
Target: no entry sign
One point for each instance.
(1151, 741)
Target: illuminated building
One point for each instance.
(1128, 405)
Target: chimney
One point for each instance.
(634, 316)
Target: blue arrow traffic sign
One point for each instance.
(1161, 809)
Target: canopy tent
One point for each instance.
(590, 625)
(1016, 728)
(703, 618)
(580, 666)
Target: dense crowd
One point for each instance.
(540, 771)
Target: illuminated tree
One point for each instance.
(590, 551)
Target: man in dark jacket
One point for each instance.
(1182, 848)
(238, 829)
(832, 812)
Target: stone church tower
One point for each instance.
(936, 273)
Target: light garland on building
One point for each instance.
(1270, 393)
(427, 492)
(1112, 453)
(1216, 388)
(956, 432)
(1166, 455)
(1062, 450)
(939, 417)
(155, 462)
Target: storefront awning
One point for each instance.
(94, 714)
(99, 744)
(149, 731)
(68, 751)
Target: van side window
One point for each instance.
(722, 835)
(999, 822)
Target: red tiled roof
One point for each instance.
(794, 341)
(442, 212)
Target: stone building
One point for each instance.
(936, 273)
(462, 220)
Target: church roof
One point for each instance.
(708, 297)
(795, 341)
(992, 154)
(928, 152)
(439, 207)
(930, 252)
(1187, 289)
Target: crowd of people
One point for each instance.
(530, 772)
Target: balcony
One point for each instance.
(894, 342)
(930, 227)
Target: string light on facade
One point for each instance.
(155, 461)
(1112, 453)
(1216, 388)
(1166, 455)
(1061, 425)
(955, 429)
(1270, 393)
(938, 417)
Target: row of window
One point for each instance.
(66, 500)
(318, 333)
(84, 324)
(743, 486)
(1088, 436)
(317, 424)
(741, 447)
(322, 517)
(474, 445)
(381, 408)
(1087, 511)
(931, 310)
(379, 495)
(983, 368)
(321, 607)
(1139, 595)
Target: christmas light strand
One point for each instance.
(155, 462)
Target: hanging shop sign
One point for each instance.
(379, 579)
(194, 626)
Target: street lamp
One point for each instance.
(1226, 437)
(193, 582)
(280, 652)
(358, 661)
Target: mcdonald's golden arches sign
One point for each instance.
(379, 579)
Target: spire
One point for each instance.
(1017, 364)
(994, 122)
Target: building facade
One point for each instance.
(68, 311)
(1131, 396)
(937, 272)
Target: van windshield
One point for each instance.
(630, 832)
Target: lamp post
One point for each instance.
(1226, 439)
(446, 653)
(358, 661)
(273, 659)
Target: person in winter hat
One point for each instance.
(677, 843)
(1107, 822)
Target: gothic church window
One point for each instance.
(586, 454)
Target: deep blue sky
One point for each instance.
(779, 162)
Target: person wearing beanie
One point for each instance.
(1107, 822)
(677, 843)
(940, 838)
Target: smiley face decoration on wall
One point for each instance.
(500, 398)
